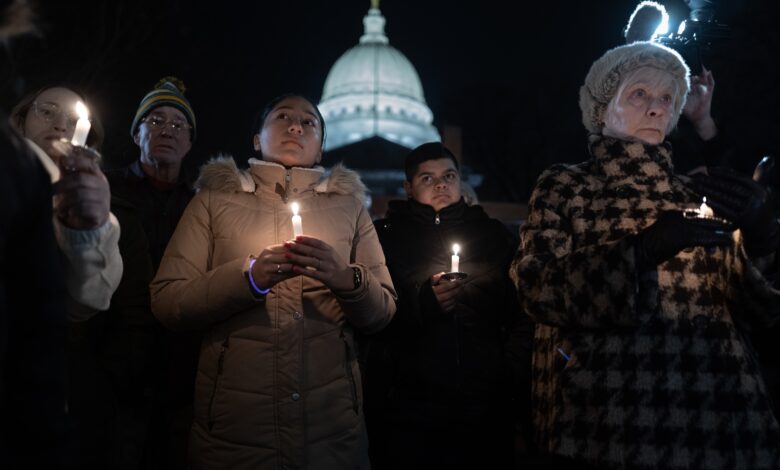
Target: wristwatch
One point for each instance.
(357, 277)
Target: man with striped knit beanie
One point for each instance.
(164, 129)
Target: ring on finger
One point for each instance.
(278, 269)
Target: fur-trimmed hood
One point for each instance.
(222, 174)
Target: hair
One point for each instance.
(22, 108)
(424, 153)
(263, 114)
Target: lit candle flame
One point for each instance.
(704, 209)
(83, 125)
(82, 110)
(455, 258)
(297, 222)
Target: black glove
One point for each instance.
(673, 232)
(745, 202)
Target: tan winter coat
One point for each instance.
(278, 384)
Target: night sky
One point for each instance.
(509, 76)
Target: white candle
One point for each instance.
(82, 125)
(455, 258)
(705, 210)
(297, 223)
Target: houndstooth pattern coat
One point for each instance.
(640, 369)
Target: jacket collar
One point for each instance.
(424, 214)
(288, 183)
(617, 158)
(136, 173)
(635, 169)
(221, 174)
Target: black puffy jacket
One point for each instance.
(428, 355)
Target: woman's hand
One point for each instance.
(745, 202)
(312, 257)
(672, 232)
(271, 267)
(446, 292)
(699, 104)
(83, 197)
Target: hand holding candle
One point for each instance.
(82, 126)
(702, 212)
(447, 293)
(297, 223)
(82, 196)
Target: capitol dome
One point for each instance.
(373, 90)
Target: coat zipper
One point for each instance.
(287, 178)
(455, 320)
(217, 380)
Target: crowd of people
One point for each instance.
(261, 319)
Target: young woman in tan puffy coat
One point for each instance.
(278, 383)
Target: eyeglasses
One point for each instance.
(50, 112)
(158, 123)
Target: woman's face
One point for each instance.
(643, 107)
(291, 134)
(51, 117)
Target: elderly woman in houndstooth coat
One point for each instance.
(640, 358)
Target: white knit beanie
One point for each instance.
(605, 75)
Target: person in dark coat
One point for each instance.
(641, 293)
(164, 128)
(32, 327)
(438, 383)
(33, 316)
(109, 361)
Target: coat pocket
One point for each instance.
(220, 364)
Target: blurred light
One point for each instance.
(662, 28)
(681, 28)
